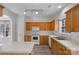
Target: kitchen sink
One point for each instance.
(60, 38)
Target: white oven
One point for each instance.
(35, 39)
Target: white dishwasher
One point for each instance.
(49, 41)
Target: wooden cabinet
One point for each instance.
(69, 21)
(54, 25)
(48, 26)
(45, 26)
(1, 10)
(28, 26)
(75, 18)
(59, 49)
(72, 19)
(41, 25)
(43, 40)
(27, 38)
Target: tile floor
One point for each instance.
(41, 50)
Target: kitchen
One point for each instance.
(50, 33)
(54, 25)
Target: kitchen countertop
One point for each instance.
(16, 47)
(69, 43)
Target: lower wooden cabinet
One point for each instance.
(59, 49)
(43, 40)
(27, 38)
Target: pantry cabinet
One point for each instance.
(72, 19)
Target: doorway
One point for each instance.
(5, 30)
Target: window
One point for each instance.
(63, 24)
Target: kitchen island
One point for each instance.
(16, 48)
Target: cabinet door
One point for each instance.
(47, 26)
(42, 24)
(43, 40)
(28, 26)
(52, 26)
(59, 49)
(69, 21)
(27, 38)
(75, 20)
(1, 10)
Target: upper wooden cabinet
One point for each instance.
(75, 18)
(72, 19)
(45, 26)
(69, 21)
(54, 25)
(41, 25)
(28, 26)
(1, 10)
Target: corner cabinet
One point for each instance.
(54, 25)
(72, 19)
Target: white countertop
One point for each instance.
(17, 47)
(70, 44)
(53, 36)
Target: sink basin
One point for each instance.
(60, 38)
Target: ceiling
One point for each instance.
(49, 9)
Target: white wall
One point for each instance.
(21, 28)
(36, 19)
(62, 14)
(17, 25)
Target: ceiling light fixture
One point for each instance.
(36, 12)
(59, 6)
(24, 13)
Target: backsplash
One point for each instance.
(72, 35)
(75, 35)
(39, 32)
